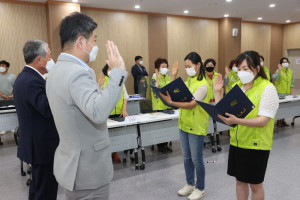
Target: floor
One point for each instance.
(164, 173)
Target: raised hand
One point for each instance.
(279, 67)
(101, 79)
(175, 69)
(157, 73)
(218, 84)
(115, 60)
(227, 70)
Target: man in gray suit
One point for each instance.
(82, 162)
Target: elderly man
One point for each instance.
(82, 162)
(38, 135)
(7, 81)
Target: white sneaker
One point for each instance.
(196, 194)
(187, 189)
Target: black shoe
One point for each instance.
(161, 149)
(283, 122)
(167, 148)
(132, 158)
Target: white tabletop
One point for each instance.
(8, 111)
(290, 98)
(136, 99)
(142, 119)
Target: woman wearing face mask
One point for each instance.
(251, 140)
(284, 82)
(210, 77)
(231, 76)
(193, 125)
(267, 71)
(161, 79)
(121, 107)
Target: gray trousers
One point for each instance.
(101, 193)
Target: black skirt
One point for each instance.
(247, 165)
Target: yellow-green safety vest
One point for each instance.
(194, 121)
(211, 90)
(283, 84)
(118, 109)
(232, 79)
(157, 104)
(259, 138)
(267, 72)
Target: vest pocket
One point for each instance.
(102, 144)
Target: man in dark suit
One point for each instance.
(38, 135)
(139, 74)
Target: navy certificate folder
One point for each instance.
(235, 102)
(177, 90)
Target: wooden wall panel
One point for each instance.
(257, 37)
(56, 11)
(158, 40)
(229, 46)
(130, 34)
(291, 37)
(186, 35)
(20, 23)
(276, 46)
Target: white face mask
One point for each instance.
(245, 77)
(261, 63)
(2, 69)
(191, 71)
(141, 62)
(93, 53)
(285, 65)
(108, 73)
(163, 71)
(50, 65)
(235, 69)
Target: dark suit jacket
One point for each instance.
(137, 75)
(38, 135)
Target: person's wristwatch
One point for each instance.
(170, 103)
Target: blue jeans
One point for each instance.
(192, 151)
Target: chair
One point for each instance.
(29, 169)
(293, 122)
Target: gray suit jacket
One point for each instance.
(80, 110)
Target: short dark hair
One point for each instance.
(262, 57)
(137, 58)
(33, 49)
(195, 58)
(210, 60)
(232, 62)
(5, 63)
(105, 69)
(281, 60)
(160, 61)
(75, 25)
(253, 60)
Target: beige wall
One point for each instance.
(56, 11)
(291, 37)
(229, 47)
(128, 31)
(257, 37)
(276, 46)
(20, 23)
(186, 35)
(23, 21)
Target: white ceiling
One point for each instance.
(248, 10)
